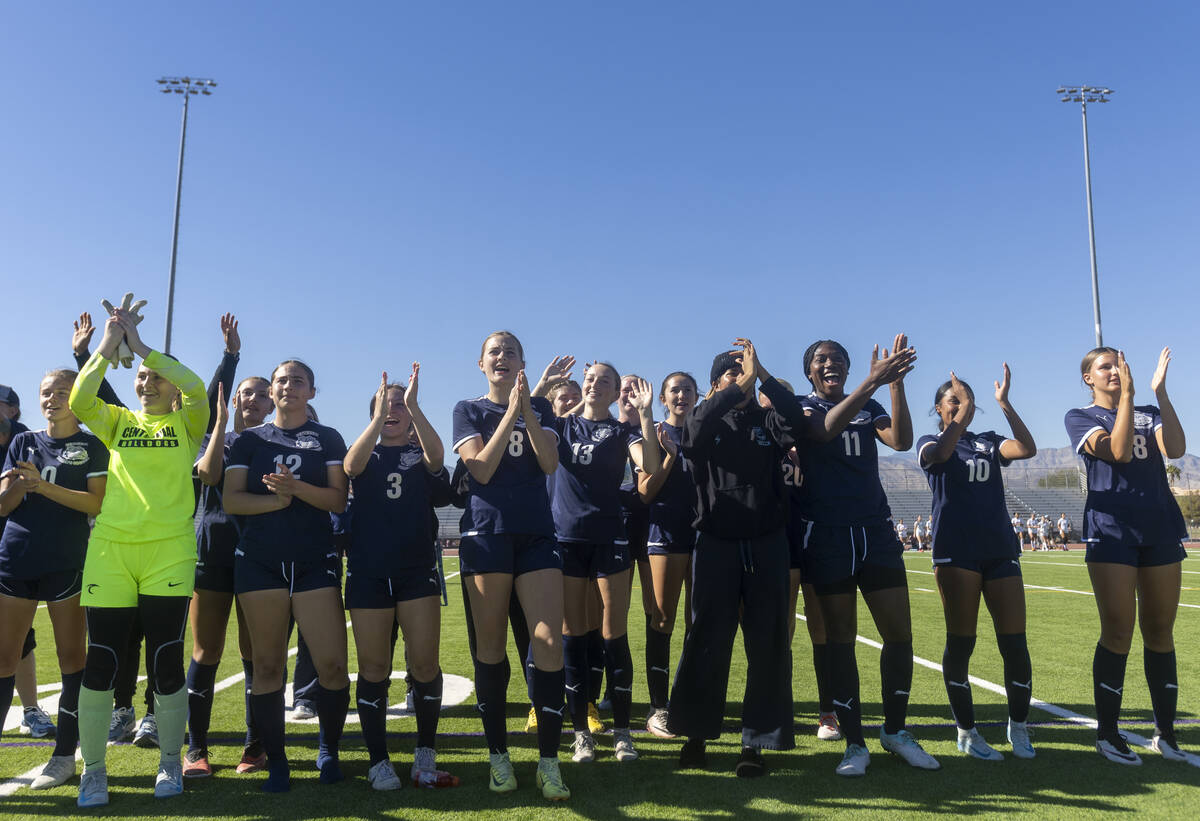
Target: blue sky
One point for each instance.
(375, 183)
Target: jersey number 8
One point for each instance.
(1139, 446)
(516, 443)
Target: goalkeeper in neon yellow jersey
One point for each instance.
(142, 552)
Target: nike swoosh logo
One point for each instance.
(92, 587)
(174, 584)
(497, 781)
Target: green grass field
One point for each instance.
(1067, 778)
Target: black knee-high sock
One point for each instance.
(895, 675)
(956, 661)
(1164, 690)
(251, 732)
(372, 703)
(332, 706)
(821, 671)
(619, 663)
(7, 684)
(1018, 674)
(575, 668)
(1108, 680)
(491, 688)
(200, 681)
(548, 689)
(427, 696)
(595, 660)
(658, 666)
(268, 720)
(843, 690)
(68, 714)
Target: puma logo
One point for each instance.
(1116, 690)
(966, 685)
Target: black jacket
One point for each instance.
(734, 455)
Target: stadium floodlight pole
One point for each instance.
(1084, 95)
(187, 86)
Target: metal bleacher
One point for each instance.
(1023, 495)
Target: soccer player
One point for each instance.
(217, 535)
(918, 534)
(285, 477)
(793, 480)
(849, 544)
(1018, 531)
(53, 480)
(1133, 531)
(670, 497)
(1064, 527)
(141, 556)
(740, 564)
(1031, 530)
(901, 532)
(593, 448)
(398, 476)
(507, 444)
(974, 553)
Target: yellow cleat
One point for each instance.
(595, 725)
(531, 722)
(503, 778)
(549, 780)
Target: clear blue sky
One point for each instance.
(375, 183)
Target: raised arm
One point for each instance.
(195, 397)
(1118, 445)
(432, 450)
(937, 453)
(559, 370)
(227, 369)
(1171, 439)
(359, 453)
(1021, 445)
(704, 421)
(80, 340)
(210, 468)
(645, 454)
(543, 442)
(100, 417)
(649, 484)
(481, 458)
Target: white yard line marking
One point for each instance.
(1053, 709)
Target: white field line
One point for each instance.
(1051, 589)
(1053, 709)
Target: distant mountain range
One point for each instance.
(1048, 460)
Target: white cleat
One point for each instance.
(1117, 750)
(383, 776)
(1018, 736)
(905, 745)
(58, 771)
(854, 762)
(583, 750)
(972, 743)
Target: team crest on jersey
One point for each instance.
(760, 437)
(308, 440)
(862, 418)
(600, 434)
(74, 453)
(983, 447)
(1142, 420)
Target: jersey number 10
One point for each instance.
(978, 470)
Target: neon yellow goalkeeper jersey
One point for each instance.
(149, 495)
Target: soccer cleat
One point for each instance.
(36, 723)
(656, 723)
(583, 750)
(120, 729)
(550, 782)
(424, 772)
(827, 727)
(147, 733)
(195, 764)
(303, 711)
(691, 756)
(253, 759)
(854, 762)
(623, 747)
(531, 721)
(1116, 749)
(502, 779)
(1169, 747)
(905, 745)
(1018, 736)
(605, 705)
(595, 725)
(750, 764)
(169, 781)
(972, 743)
(382, 776)
(58, 770)
(93, 788)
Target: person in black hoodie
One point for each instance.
(740, 565)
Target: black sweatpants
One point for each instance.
(749, 577)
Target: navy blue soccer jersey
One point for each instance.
(515, 500)
(217, 533)
(393, 496)
(970, 516)
(1130, 504)
(841, 477)
(592, 459)
(299, 532)
(674, 508)
(42, 536)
